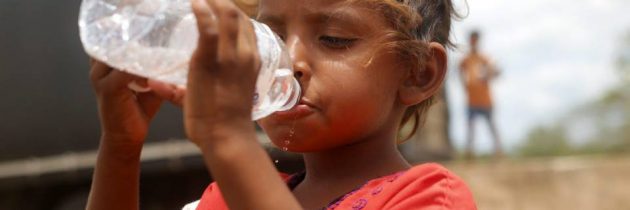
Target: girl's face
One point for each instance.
(349, 85)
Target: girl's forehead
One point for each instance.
(305, 6)
(299, 3)
(347, 10)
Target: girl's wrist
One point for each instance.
(229, 149)
(228, 137)
(121, 136)
(121, 147)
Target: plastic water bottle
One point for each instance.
(156, 38)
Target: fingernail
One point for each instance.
(133, 85)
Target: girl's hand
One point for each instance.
(168, 92)
(124, 114)
(218, 105)
(223, 72)
(125, 117)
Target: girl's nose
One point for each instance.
(299, 56)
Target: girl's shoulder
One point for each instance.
(425, 186)
(435, 179)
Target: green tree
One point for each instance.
(608, 116)
(546, 141)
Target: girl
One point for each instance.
(365, 66)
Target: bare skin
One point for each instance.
(216, 114)
(125, 118)
(356, 95)
(346, 124)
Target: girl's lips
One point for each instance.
(298, 111)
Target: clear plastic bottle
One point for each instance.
(156, 38)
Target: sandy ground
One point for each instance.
(575, 183)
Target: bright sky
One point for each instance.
(554, 55)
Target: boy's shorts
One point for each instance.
(485, 112)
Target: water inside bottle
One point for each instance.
(156, 38)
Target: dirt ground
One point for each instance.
(575, 183)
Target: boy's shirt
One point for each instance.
(477, 71)
(426, 186)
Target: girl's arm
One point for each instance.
(115, 184)
(124, 117)
(244, 172)
(217, 110)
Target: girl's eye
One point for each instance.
(336, 42)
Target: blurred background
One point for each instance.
(561, 104)
(561, 108)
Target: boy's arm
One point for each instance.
(494, 71)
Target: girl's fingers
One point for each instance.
(98, 70)
(228, 16)
(168, 92)
(120, 79)
(142, 82)
(206, 51)
(106, 77)
(139, 86)
(229, 35)
(247, 48)
(178, 97)
(150, 103)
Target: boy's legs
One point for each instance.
(470, 135)
(498, 149)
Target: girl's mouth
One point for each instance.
(302, 109)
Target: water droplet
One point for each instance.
(288, 140)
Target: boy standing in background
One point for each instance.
(477, 71)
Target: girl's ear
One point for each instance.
(420, 84)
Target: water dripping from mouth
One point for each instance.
(286, 145)
(291, 134)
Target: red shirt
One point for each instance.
(426, 186)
